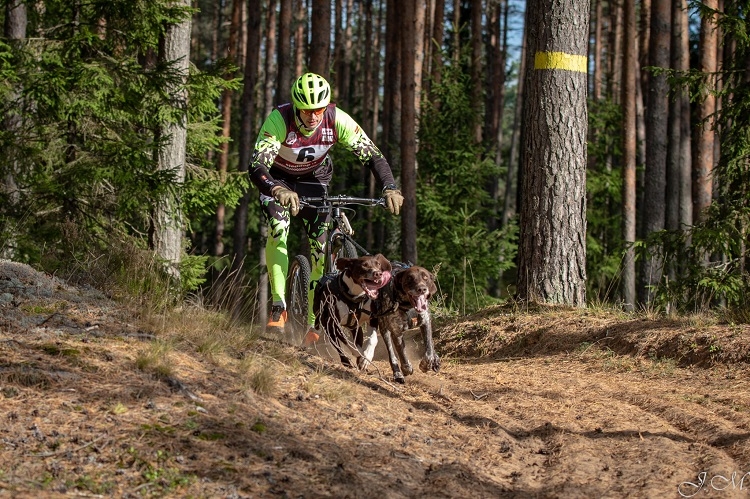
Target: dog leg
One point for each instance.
(397, 374)
(369, 351)
(430, 361)
(400, 345)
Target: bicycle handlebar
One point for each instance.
(340, 200)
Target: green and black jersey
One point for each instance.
(284, 150)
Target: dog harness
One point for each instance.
(394, 300)
(355, 303)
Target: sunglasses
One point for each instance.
(310, 112)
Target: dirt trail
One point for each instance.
(545, 403)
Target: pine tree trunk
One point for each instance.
(300, 43)
(511, 201)
(657, 113)
(704, 157)
(14, 30)
(230, 52)
(284, 68)
(248, 107)
(476, 67)
(168, 220)
(437, 38)
(597, 41)
(629, 153)
(552, 263)
(408, 17)
(320, 45)
(685, 156)
(270, 61)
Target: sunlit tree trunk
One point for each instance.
(408, 19)
(168, 222)
(704, 157)
(512, 195)
(552, 249)
(685, 154)
(629, 152)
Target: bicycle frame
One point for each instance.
(298, 280)
(341, 228)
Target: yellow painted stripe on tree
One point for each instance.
(560, 60)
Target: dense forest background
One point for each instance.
(127, 127)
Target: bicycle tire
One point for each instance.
(298, 283)
(342, 247)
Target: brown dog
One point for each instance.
(343, 302)
(403, 304)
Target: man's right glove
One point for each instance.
(393, 200)
(288, 199)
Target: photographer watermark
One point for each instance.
(735, 481)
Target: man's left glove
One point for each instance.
(393, 200)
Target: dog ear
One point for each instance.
(343, 263)
(431, 282)
(385, 265)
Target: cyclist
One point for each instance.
(291, 160)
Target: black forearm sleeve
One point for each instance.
(260, 176)
(382, 170)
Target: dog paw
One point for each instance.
(399, 378)
(430, 364)
(362, 363)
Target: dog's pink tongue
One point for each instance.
(386, 276)
(372, 287)
(420, 303)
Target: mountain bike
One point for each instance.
(339, 243)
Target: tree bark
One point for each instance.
(284, 59)
(14, 29)
(248, 107)
(629, 153)
(657, 113)
(685, 156)
(408, 16)
(512, 196)
(476, 67)
(270, 61)
(704, 157)
(553, 214)
(300, 41)
(230, 52)
(168, 220)
(437, 41)
(320, 44)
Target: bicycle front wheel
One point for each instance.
(342, 247)
(298, 283)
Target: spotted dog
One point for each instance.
(401, 305)
(343, 305)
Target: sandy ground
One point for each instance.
(528, 403)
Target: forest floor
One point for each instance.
(548, 402)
